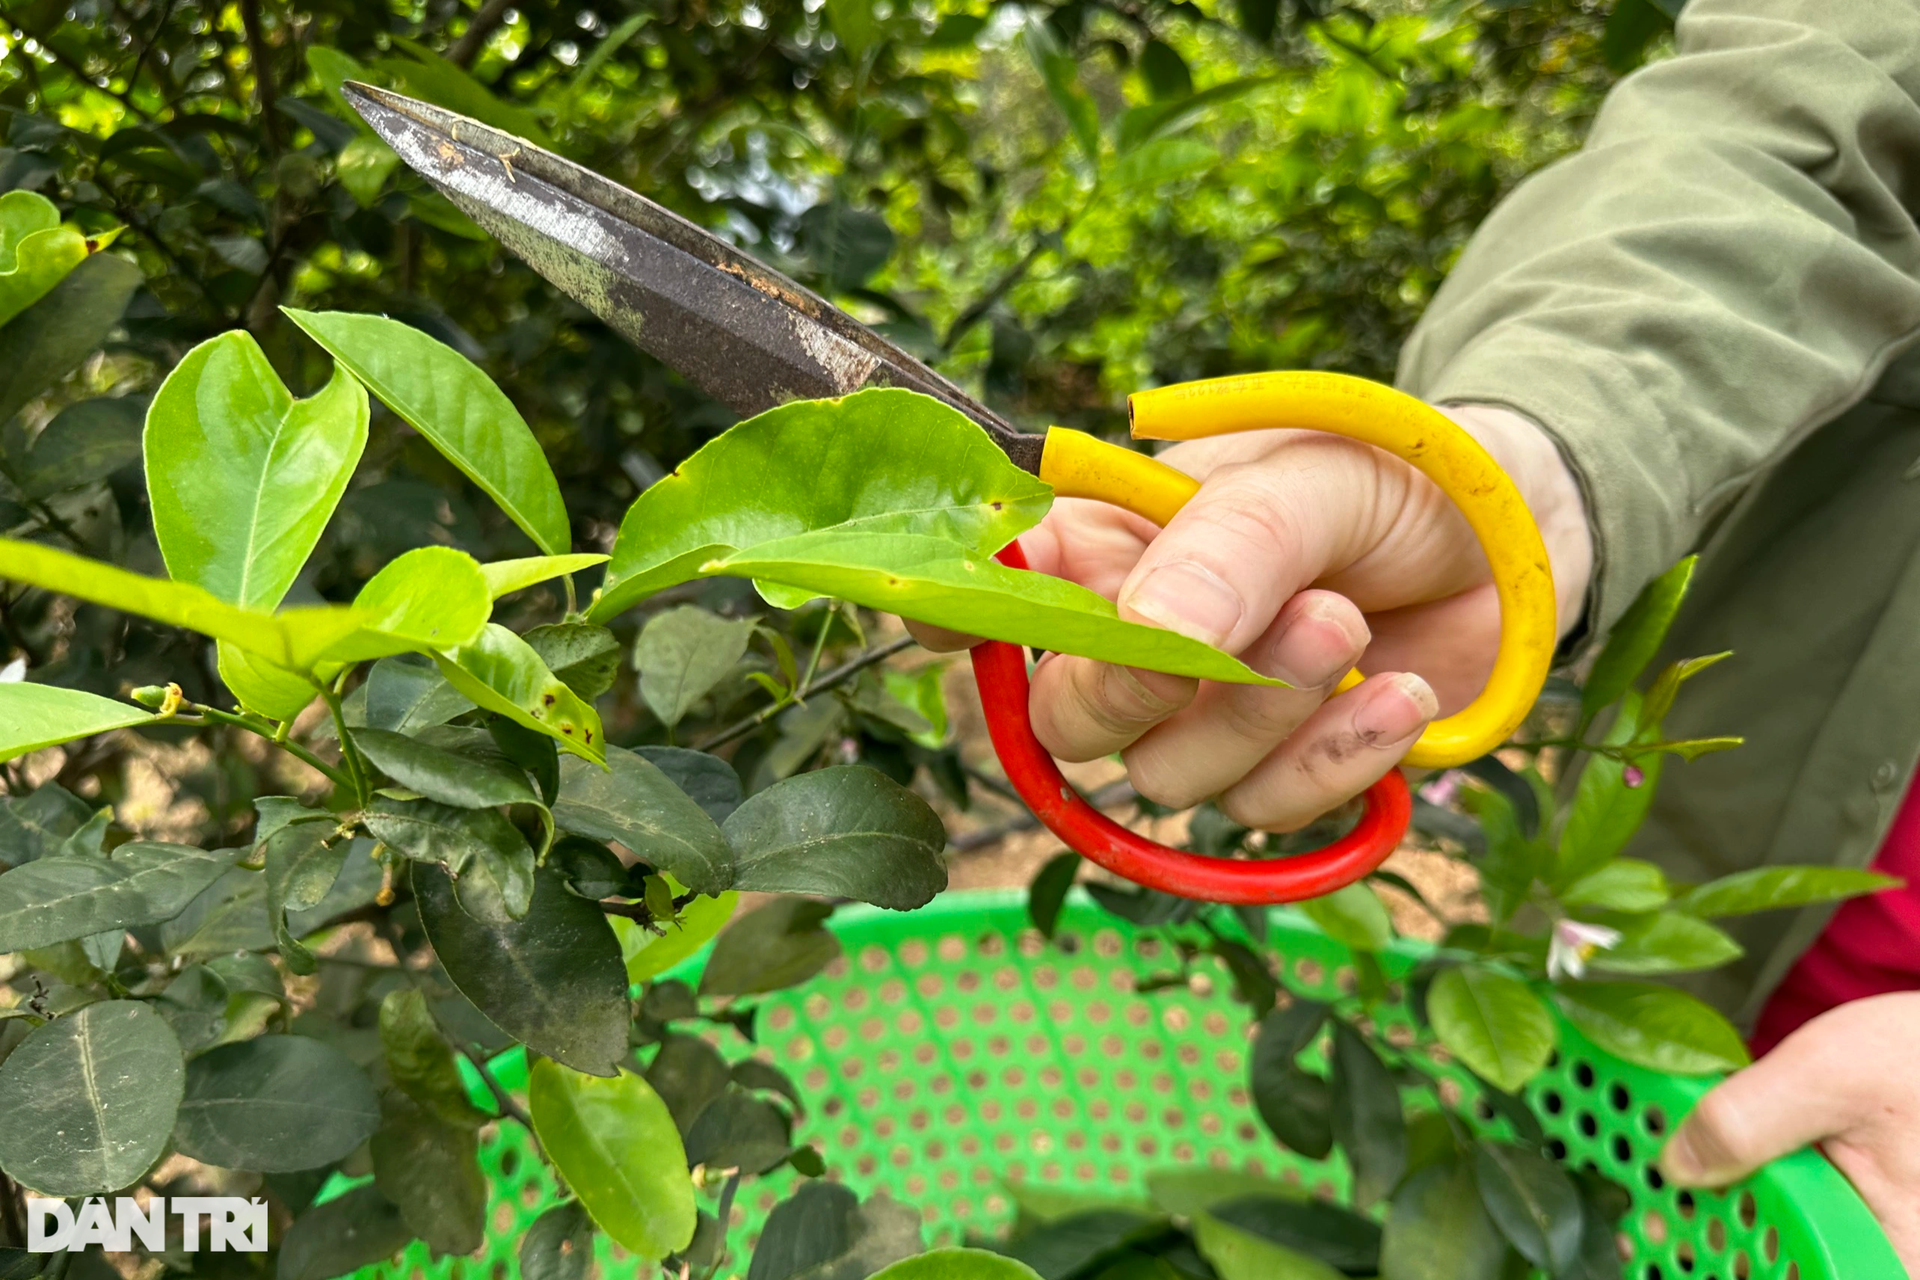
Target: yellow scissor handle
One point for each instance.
(1079, 466)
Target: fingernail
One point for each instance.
(1396, 712)
(1189, 598)
(1316, 648)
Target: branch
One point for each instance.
(508, 1107)
(262, 75)
(474, 38)
(838, 676)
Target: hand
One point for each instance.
(1844, 1080)
(1305, 554)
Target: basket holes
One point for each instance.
(1041, 1144)
(1684, 1256)
(1653, 1225)
(961, 1047)
(1588, 1125)
(918, 1120)
(866, 1165)
(955, 1113)
(503, 1218)
(837, 967)
(1748, 1210)
(970, 1146)
(1656, 1121)
(1062, 1108)
(923, 1053)
(1716, 1235)
(992, 944)
(1173, 1118)
(499, 1270)
(1346, 979)
(1400, 1035)
(1006, 978)
(1100, 1109)
(1483, 1109)
(1219, 1159)
(1082, 977)
(872, 1029)
(1189, 1054)
(1147, 948)
(883, 1127)
(1088, 1077)
(1553, 1102)
(1111, 1045)
(1110, 1143)
(1201, 985)
(893, 991)
(949, 1180)
(851, 1068)
(875, 959)
(1077, 1140)
(1793, 1271)
(1770, 1245)
(1140, 1015)
(990, 1110)
(1742, 1266)
(1046, 977)
(1209, 1124)
(1106, 944)
(850, 1136)
(1003, 1142)
(1200, 1090)
(916, 1184)
(984, 1014)
(1120, 1175)
(1236, 1097)
(1653, 1272)
(816, 1006)
(869, 1097)
(854, 999)
(1183, 1152)
(969, 981)
(913, 953)
(1684, 1203)
(1618, 1097)
(1622, 1149)
(1214, 1024)
(1553, 1060)
(1099, 1011)
(1583, 1074)
(1227, 1060)
(1451, 1094)
(954, 947)
(1014, 1078)
(929, 985)
(1074, 1043)
(1556, 1148)
(1654, 1179)
(1309, 971)
(1021, 1011)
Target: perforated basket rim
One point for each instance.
(1817, 1224)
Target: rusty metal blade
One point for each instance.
(745, 334)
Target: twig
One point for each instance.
(133, 76)
(291, 747)
(834, 678)
(474, 38)
(636, 911)
(262, 74)
(967, 842)
(508, 1107)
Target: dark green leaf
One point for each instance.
(1602, 1205)
(430, 1168)
(1239, 1254)
(1511, 861)
(1637, 636)
(1631, 27)
(846, 831)
(228, 915)
(90, 1099)
(275, 1103)
(1341, 1238)
(553, 980)
(1296, 1107)
(774, 947)
(1061, 74)
(303, 859)
(588, 867)
(1165, 71)
(84, 444)
(812, 1227)
(407, 693)
(688, 1075)
(739, 1131)
(1492, 1022)
(1368, 1122)
(1772, 888)
(55, 899)
(490, 859)
(449, 777)
(584, 656)
(1048, 893)
(1653, 1026)
(533, 752)
(1068, 1246)
(1253, 982)
(633, 802)
(1436, 1229)
(36, 825)
(1532, 1201)
(751, 1073)
(708, 780)
(616, 1146)
(1494, 771)
(846, 245)
(48, 340)
(559, 1244)
(421, 1062)
(344, 1234)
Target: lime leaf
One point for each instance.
(275, 1103)
(33, 716)
(958, 1264)
(1653, 1026)
(1761, 889)
(1635, 639)
(58, 899)
(36, 252)
(1238, 1254)
(683, 653)
(504, 577)
(1493, 1023)
(502, 673)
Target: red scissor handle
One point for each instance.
(1000, 670)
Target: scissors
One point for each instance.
(753, 339)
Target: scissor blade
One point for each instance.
(745, 334)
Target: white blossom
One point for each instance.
(1574, 943)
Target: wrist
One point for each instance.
(1533, 461)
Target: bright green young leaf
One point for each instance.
(930, 580)
(583, 656)
(420, 1062)
(1670, 942)
(958, 1264)
(341, 1236)
(633, 802)
(435, 597)
(778, 946)
(1238, 1254)
(1606, 811)
(36, 252)
(854, 22)
(924, 693)
(552, 980)
(363, 167)
(430, 1168)
(303, 859)
(57, 899)
(504, 577)
(263, 688)
(648, 955)
(683, 653)
(1354, 917)
(847, 831)
(50, 339)
(1164, 160)
(1436, 1229)
(90, 1099)
(1653, 1026)
(1762, 888)
(449, 777)
(444, 397)
(275, 1103)
(616, 1146)
(85, 443)
(1625, 884)
(885, 461)
(501, 672)
(33, 716)
(1661, 693)
(1493, 1023)
(1533, 1202)
(242, 477)
(1635, 639)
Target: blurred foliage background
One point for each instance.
(1055, 203)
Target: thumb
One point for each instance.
(1800, 1093)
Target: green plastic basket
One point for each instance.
(952, 1049)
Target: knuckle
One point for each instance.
(1159, 779)
(1716, 1133)
(1246, 505)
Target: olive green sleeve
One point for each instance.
(1728, 264)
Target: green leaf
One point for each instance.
(341, 1236)
(1238, 1254)
(1368, 1122)
(37, 825)
(535, 753)
(1061, 74)
(504, 577)
(1671, 942)
(1493, 1023)
(877, 461)
(1295, 1106)
(303, 859)
(688, 1074)
(430, 1168)
(489, 860)
(1142, 124)
(1625, 884)
(930, 580)
(847, 245)
(84, 444)
(739, 1131)
(1636, 637)
(559, 1244)
(1688, 749)
(57, 899)
(780, 945)
(616, 1146)
(420, 1062)
(263, 688)
(1338, 1237)
(1354, 917)
(683, 654)
(1048, 892)
(426, 74)
(1665, 688)
(229, 915)
(1532, 1201)
(275, 1103)
(958, 1264)
(648, 955)
(436, 597)
(1653, 1026)
(1773, 888)
(1436, 1229)
(447, 399)
(241, 476)
(709, 781)
(407, 694)
(33, 716)
(1606, 812)
(1631, 27)
(853, 21)
(89, 1099)
(633, 802)
(36, 252)
(363, 167)
(1165, 71)
(464, 781)
(585, 657)
(552, 980)
(847, 831)
(48, 340)
(501, 672)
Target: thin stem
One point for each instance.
(636, 911)
(262, 73)
(508, 1107)
(272, 735)
(819, 646)
(832, 679)
(479, 27)
(573, 602)
(349, 754)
